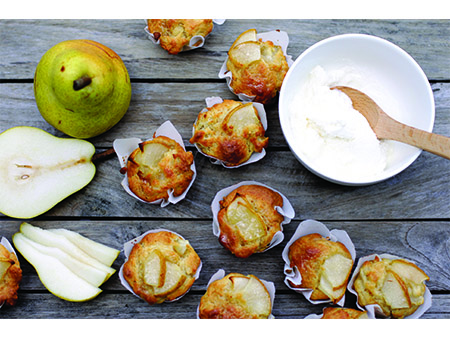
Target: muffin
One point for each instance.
(230, 131)
(174, 34)
(258, 67)
(161, 267)
(248, 219)
(396, 285)
(343, 313)
(158, 166)
(324, 266)
(236, 296)
(10, 276)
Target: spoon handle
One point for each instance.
(437, 144)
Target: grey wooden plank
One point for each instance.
(425, 242)
(154, 103)
(126, 306)
(23, 42)
(422, 191)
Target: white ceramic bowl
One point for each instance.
(395, 71)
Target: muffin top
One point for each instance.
(343, 313)
(324, 266)
(161, 267)
(236, 296)
(248, 219)
(174, 34)
(258, 67)
(157, 166)
(396, 285)
(230, 131)
(10, 276)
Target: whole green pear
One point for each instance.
(82, 88)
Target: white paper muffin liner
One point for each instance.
(196, 41)
(256, 156)
(124, 148)
(305, 228)
(269, 286)
(279, 38)
(375, 308)
(4, 241)
(287, 211)
(128, 246)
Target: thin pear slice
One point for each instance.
(88, 273)
(256, 296)
(248, 35)
(50, 239)
(150, 153)
(248, 223)
(4, 266)
(55, 276)
(98, 251)
(245, 53)
(38, 170)
(155, 269)
(241, 117)
(336, 269)
(409, 271)
(174, 278)
(395, 293)
(239, 282)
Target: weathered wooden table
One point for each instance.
(408, 215)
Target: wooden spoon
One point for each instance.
(386, 127)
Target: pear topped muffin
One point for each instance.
(229, 131)
(236, 296)
(174, 34)
(158, 166)
(324, 266)
(258, 67)
(10, 276)
(396, 285)
(248, 219)
(161, 267)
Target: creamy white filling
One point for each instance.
(335, 138)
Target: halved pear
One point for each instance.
(98, 251)
(409, 271)
(395, 292)
(155, 269)
(88, 273)
(174, 278)
(241, 117)
(38, 170)
(54, 275)
(245, 53)
(248, 35)
(47, 238)
(249, 224)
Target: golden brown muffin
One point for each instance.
(10, 276)
(174, 34)
(236, 296)
(324, 265)
(161, 267)
(248, 219)
(397, 286)
(343, 313)
(229, 131)
(258, 68)
(157, 166)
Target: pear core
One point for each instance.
(82, 88)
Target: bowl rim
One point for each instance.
(282, 106)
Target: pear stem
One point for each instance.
(81, 83)
(100, 156)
